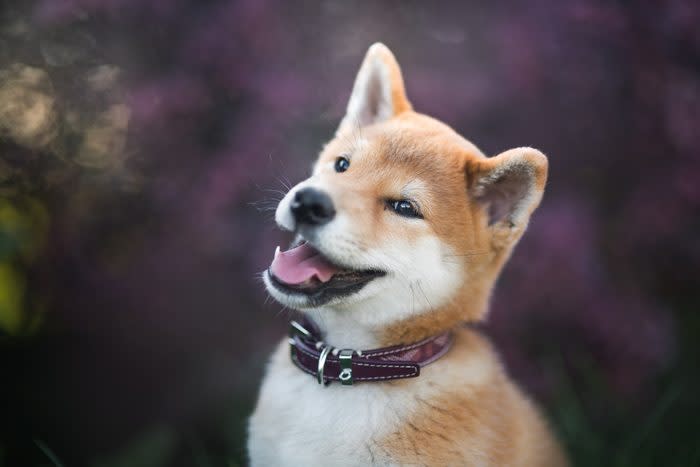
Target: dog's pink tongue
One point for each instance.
(301, 264)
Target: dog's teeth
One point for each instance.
(277, 251)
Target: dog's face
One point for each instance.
(401, 215)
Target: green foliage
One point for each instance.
(24, 226)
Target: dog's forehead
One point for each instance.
(410, 148)
(409, 139)
(416, 149)
(419, 148)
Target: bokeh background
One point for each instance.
(142, 143)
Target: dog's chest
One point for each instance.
(299, 422)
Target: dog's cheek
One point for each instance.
(425, 267)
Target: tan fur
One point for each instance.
(489, 423)
(463, 409)
(412, 144)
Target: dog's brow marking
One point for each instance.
(414, 184)
(355, 133)
(413, 188)
(351, 144)
(421, 172)
(358, 128)
(354, 138)
(355, 142)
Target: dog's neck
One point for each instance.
(345, 331)
(364, 330)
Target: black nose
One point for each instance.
(312, 207)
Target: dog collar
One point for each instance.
(326, 363)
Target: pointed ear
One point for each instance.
(378, 93)
(509, 186)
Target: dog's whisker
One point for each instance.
(473, 253)
(266, 201)
(266, 208)
(265, 204)
(286, 185)
(413, 298)
(284, 308)
(273, 190)
(420, 287)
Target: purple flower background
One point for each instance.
(152, 313)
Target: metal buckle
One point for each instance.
(345, 357)
(296, 329)
(322, 363)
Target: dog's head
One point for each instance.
(401, 216)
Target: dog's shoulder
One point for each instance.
(472, 414)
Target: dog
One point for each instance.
(400, 233)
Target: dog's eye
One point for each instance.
(342, 164)
(405, 208)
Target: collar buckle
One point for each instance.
(296, 329)
(322, 364)
(345, 357)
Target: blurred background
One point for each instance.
(141, 142)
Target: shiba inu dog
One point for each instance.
(401, 232)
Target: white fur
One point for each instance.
(301, 423)
(283, 213)
(420, 276)
(298, 422)
(370, 101)
(514, 184)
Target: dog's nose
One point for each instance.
(312, 207)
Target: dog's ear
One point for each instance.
(509, 187)
(378, 93)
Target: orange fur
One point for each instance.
(463, 409)
(491, 424)
(414, 146)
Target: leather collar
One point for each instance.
(326, 363)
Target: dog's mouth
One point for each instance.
(304, 270)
